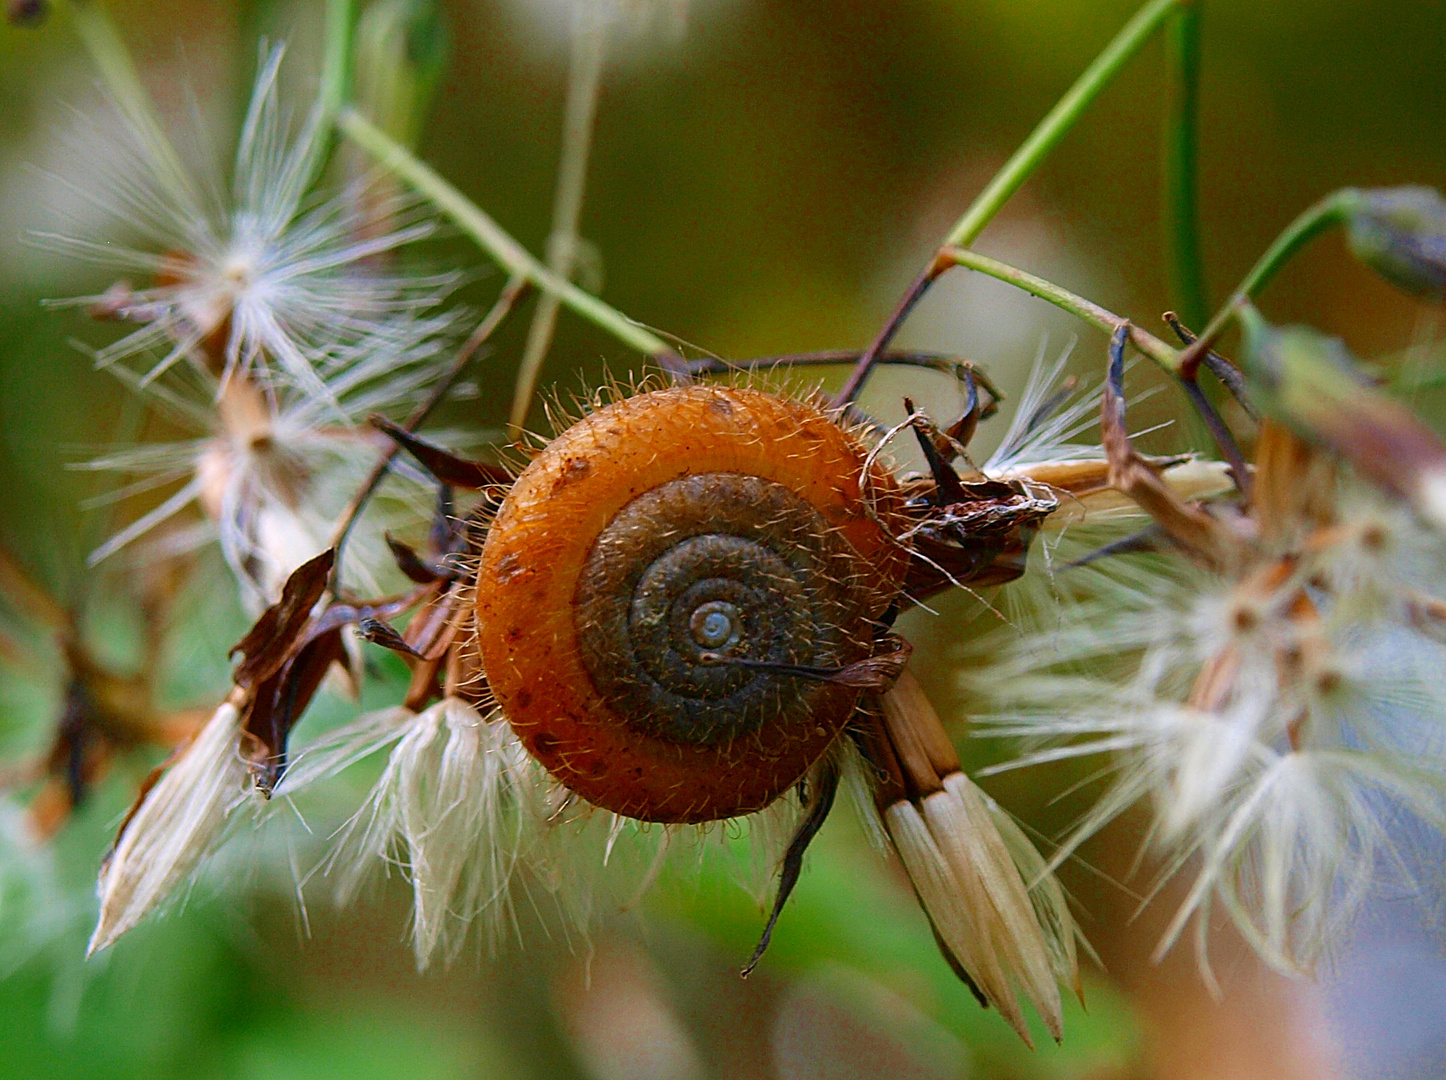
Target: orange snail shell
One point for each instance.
(666, 525)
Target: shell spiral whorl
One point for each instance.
(716, 565)
(648, 546)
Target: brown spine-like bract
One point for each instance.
(653, 581)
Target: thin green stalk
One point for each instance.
(1181, 171)
(336, 57)
(491, 237)
(331, 91)
(1060, 120)
(1328, 212)
(117, 69)
(1086, 310)
(118, 72)
(1015, 172)
(334, 83)
(589, 43)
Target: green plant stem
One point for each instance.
(336, 57)
(1168, 358)
(1181, 174)
(1046, 135)
(1165, 356)
(589, 43)
(1059, 121)
(492, 238)
(1328, 212)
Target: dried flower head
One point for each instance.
(1273, 693)
(1312, 383)
(272, 472)
(272, 283)
(273, 324)
(475, 806)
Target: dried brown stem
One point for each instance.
(512, 292)
(1193, 529)
(865, 364)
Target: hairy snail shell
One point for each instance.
(650, 570)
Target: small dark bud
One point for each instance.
(26, 12)
(1401, 234)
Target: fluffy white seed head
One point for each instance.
(266, 281)
(274, 319)
(1283, 721)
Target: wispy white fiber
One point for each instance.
(174, 828)
(1284, 731)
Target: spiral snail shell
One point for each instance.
(650, 573)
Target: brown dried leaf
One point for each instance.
(279, 702)
(878, 673)
(270, 643)
(443, 464)
(413, 565)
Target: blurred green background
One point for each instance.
(766, 180)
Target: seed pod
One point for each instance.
(1312, 383)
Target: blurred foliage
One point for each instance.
(765, 184)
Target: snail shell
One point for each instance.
(642, 555)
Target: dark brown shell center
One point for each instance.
(696, 583)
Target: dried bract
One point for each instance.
(1312, 383)
(1274, 694)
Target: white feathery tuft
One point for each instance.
(476, 824)
(330, 754)
(1050, 415)
(1288, 725)
(1051, 905)
(272, 481)
(956, 910)
(274, 321)
(1040, 446)
(968, 837)
(997, 910)
(175, 826)
(459, 807)
(296, 288)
